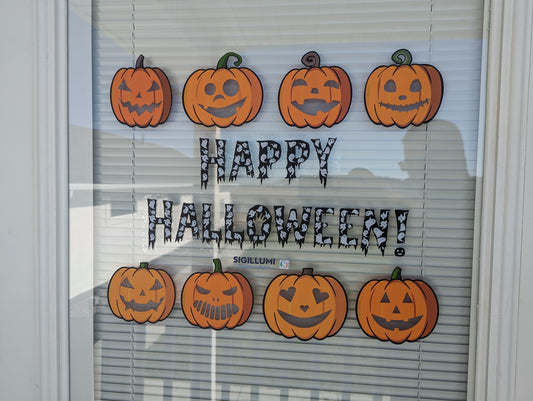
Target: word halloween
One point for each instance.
(298, 152)
(303, 305)
(313, 96)
(262, 215)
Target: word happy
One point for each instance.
(298, 151)
(260, 221)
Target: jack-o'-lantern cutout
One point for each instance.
(223, 96)
(305, 306)
(397, 310)
(141, 96)
(141, 294)
(218, 299)
(403, 94)
(315, 95)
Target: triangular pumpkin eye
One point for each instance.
(157, 285)
(155, 86)
(123, 86)
(385, 299)
(126, 283)
(407, 299)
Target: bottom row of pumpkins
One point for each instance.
(304, 306)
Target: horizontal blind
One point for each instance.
(429, 170)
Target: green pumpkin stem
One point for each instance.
(223, 62)
(143, 265)
(307, 271)
(140, 62)
(396, 274)
(402, 57)
(218, 266)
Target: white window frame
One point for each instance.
(502, 302)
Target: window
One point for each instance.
(123, 175)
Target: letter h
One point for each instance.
(153, 221)
(206, 160)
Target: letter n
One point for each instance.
(378, 228)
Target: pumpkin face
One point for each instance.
(305, 306)
(141, 96)
(223, 96)
(314, 96)
(403, 94)
(397, 310)
(141, 294)
(217, 299)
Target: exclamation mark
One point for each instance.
(401, 224)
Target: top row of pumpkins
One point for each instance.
(401, 94)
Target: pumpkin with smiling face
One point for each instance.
(141, 96)
(403, 94)
(217, 300)
(223, 96)
(141, 294)
(305, 306)
(397, 310)
(315, 95)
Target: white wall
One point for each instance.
(33, 214)
(19, 334)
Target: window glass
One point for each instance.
(235, 147)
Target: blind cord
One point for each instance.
(133, 207)
(426, 162)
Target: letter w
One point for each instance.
(285, 227)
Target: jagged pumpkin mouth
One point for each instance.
(140, 109)
(303, 322)
(397, 324)
(406, 107)
(137, 307)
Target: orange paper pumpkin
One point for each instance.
(141, 294)
(397, 310)
(315, 95)
(141, 96)
(403, 94)
(223, 96)
(217, 300)
(305, 306)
